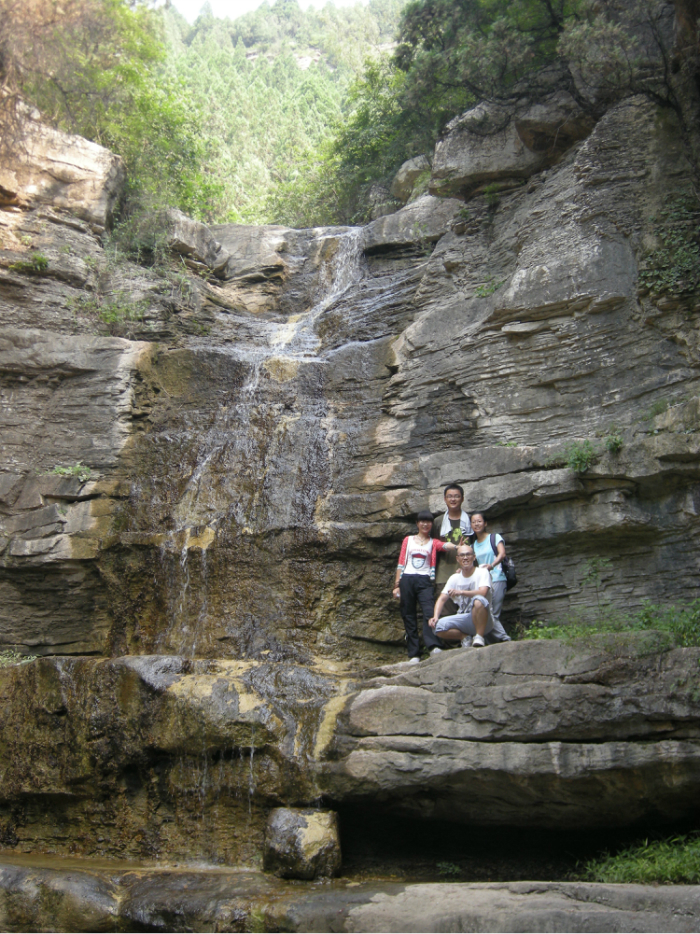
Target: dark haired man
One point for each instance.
(450, 526)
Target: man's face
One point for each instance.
(453, 499)
(465, 560)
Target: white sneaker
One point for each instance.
(436, 651)
(413, 661)
(466, 642)
(478, 642)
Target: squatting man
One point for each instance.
(470, 590)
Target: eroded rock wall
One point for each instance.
(263, 412)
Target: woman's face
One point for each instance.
(478, 523)
(425, 526)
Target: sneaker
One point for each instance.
(413, 661)
(466, 642)
(436, 651)
(478, 642)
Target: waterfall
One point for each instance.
(266, 436)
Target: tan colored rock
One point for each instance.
(67, 172)
(422, 222)
(301, 843)
(407, 175)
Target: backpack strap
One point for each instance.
(494, 546)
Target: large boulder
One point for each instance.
(302, 843)
(417, 225)
(497, 145)
(407, 176)
(68, 172)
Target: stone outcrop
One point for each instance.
(93, 899)
(301, 843)
(531, 734)
(501, 146)
(160, 756)
(64, 171)
(407, 176)
(295, 412)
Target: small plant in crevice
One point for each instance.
(674, 267)
(655, 409)
(448, 869)
(36, 265)
(593, 578)
(116, 313)
(613, 441)
(489, 287)
(491, 193)
(580, 456)
(79, 470)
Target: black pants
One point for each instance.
(417, 588)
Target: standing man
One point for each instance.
(450, 526)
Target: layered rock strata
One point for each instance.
(283, 415)
(164, 757)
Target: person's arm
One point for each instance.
(441, 600)
(500, 555)
(400, 567)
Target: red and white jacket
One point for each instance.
(433, 545)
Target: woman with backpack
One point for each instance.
(490, 550)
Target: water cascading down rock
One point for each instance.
(208, 573)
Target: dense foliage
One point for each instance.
(96, 68)
(293, 116)
(673, 861)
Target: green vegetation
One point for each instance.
(448, 869)
(117, 312)
(293, 116)
(580, 456)
(488, 287)
(78, 470)
(36, 265)
(8, 658)
(673, 861)
(674, 267)
(678, 626)
(613, 441)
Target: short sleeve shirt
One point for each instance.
(484, 555)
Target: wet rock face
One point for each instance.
(95, 899)
(259, 440)
(161, 757)
(158, 757)
(302, 843)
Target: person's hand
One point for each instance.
(489, 567)
(396, 592)
(455, 593)
(432, 622)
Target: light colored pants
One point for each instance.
(463, 622)
(498, 633)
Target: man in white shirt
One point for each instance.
(471, 590)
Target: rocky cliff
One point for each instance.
(213, 441)
(262, 410)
